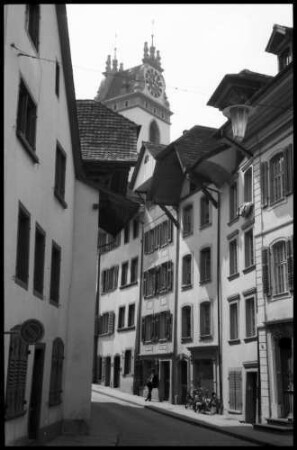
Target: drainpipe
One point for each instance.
(138, 323)
(174, 356)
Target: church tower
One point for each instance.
(139, 94)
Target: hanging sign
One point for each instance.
(32, 331)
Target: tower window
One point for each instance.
(154, 133)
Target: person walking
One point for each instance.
(152, 382)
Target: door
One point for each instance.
(184, 380)
(285, 348)
(107, 371)
(251, 397)
(116, 371)
(36, 392)
(165, 380)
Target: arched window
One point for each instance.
(154, 134)
(186, 322)
(55, 392)
(16, 375)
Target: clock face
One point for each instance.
(154, 82)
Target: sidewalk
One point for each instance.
(217, 422)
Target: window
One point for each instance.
(204, 211)
(158, 279)
(110, 279)
(135, 228)
(279, 170)
(134, 270)
(131, 315)
(128, 361)
(26, 120)
(99, 367)
(23, 244)
(16, 375)
(32, 19)
(157, 237)
(161, 327)
(248, 185)
(187, 271)
(106, 323)
(280, 267)
(147, 328)
(186, 323)
(55, 274)
(235, 390)
(187, 220)
(233, 269)
(233, 321)
(124, 276)
(205, 265)
(233, 201)
(126, 234)
(39, 260)
(107, 242)
(55, 391)
(121, 321)
(154, 133)
(60, 174)
(57, 80)
(249, 248)
(250, 317)
(205, 319)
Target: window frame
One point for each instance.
(55, 274)
(33, 23)
(124, 273)
(205, 275)
(121, 317)
(56, 375)
(26, 122)
(187, 271)
(127, 362)
(186, 323)
(205, 311)
(281, 271)
(233, 201)
(23, 259)
(205, 212)
(134, 270)
(233, 254)
(248, 185)
(188, 220)
(131, 323)
(275, 176)
(233, 331)
(39, 261)
(250, 317)
(249, 250)
(60, 174)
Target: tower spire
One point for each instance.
(115, 61)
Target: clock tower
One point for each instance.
(139, 94)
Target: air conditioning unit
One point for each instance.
(245, 209)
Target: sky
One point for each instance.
(199, 44)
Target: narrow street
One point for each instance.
(117, 423)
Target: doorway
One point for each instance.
(116, 371)
(36, 392)
(184, 380)
(165, 380)
(251, 397)
(286, 362)
(107, 371)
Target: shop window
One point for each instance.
(55, 392)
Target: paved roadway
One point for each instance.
(117, 423)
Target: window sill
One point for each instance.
(185, 287)
(56, 304)
(249, 269)
(205, 225)
(279, 296)
(125, 286)
(205, 337)
(232, 221)
(38, 294)
(234, 341)
(185, 235)
(234, 411)
(202, 282)
(232, 277)
(29, 149)
(108, 292)
(186, 339)
(60, 199)
(21, 283)
(15, 416)
(251, 338)
(120, 330)
(105, 334)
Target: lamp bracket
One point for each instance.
(237, 145)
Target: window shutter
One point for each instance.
(290, 263)
(170, 275)
(111, 317)
(266, 271)
(145, 284)
(116, 275)
(157, 237)
(146, 243)
(238, 390)
(152, 328)
(169, 326)
(157, 327)
(143, 329)
(154, 282)
(103, 369)
(264, 183)
(288, 170)
(231, 379)
(170, 234)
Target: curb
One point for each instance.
(192, 421)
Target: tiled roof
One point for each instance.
(104, 134)
(154, 149)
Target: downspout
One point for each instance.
(219, 301)
(174, 356)
(138, 324)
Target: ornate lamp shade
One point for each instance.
(238, 114)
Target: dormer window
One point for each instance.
(284, 59)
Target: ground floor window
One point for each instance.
(235, 390)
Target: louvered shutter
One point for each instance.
(266, 271)
(154, 283)
(158, 283)
(231, 380)
(17, 374)
(103, 369)
(170, 234)
(290, 263)
(116, 276)
(143, 329)
(111, 317)
(169, 326)
(156, 237)
(145, 243)
(157, 328)
(238, 390)
(170, 275)
(288, 170)
(235, 390)
(152, 327)
(264, 183)
(145, 284)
